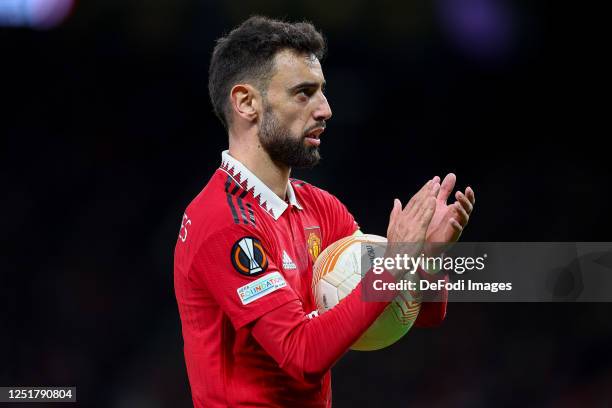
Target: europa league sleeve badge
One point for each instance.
(248, 257)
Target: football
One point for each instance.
(337, 271)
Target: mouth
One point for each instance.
(313, 137)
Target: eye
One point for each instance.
(307, 92)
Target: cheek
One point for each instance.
(293, 116)
(296, 124)
(297, 130)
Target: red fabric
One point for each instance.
(264, 352)
(307, 348)
(433, 313)
(295, 341)
(226, 365)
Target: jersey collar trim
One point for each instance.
(268, 200)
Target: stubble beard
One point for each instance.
(282, 146)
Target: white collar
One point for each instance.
(268, 200)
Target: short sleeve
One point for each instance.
(238, 270)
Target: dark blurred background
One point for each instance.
(107, 134)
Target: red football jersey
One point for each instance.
(242, 251)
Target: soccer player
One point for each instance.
(247, 242)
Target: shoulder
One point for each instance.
(306, 189)
(219, 209)
(311, 193)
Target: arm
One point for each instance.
(294, 341)
(432, 313)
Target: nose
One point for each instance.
(323, 111)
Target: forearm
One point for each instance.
(433, 307)
(307, 348)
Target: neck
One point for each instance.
(257, 160)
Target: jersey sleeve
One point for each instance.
(238, 269)
(432, 313)
(295, 341)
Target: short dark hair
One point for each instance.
(247, 53)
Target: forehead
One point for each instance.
(292, 67)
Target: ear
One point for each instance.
(245, 101)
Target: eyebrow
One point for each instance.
(307, 84)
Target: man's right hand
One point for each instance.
(408, 226)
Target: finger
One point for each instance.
(436, 189)
(465, 202)
(421, 219)
(415, 206)
(418, 196)
(422, 201)
(456, 226)
(412, 224)
(470, 195)
(428, 212)
(447, 186)
(461, 214)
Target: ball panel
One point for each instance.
(347, 286)
(326, 296)
(383, 332)
(337, 272)
(321, 266)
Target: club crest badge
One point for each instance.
(313, 240)
(248, 257)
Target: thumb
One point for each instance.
(397, 209)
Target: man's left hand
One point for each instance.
(449, 220)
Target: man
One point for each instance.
(243, 268)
